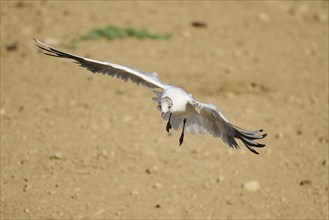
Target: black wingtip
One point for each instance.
(248, 137)
(260, 145)
(252, 150)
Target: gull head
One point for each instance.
(165, 105)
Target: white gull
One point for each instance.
(177, 106)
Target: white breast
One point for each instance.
(179, 98)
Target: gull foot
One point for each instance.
(181, 139)
(168, 127)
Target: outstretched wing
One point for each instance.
(149, 80)
(207, 119)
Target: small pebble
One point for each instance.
(11, 47)
(134, 193)
(279, 135)
(305, 183)
(56, 156)
(117, 214)
(324, 162)
(220, 179)
(51, 192)
(321, 17)
(157, 186)
(251, 185)
(27, 187)
(199, 24)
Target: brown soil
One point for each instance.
(78, 145)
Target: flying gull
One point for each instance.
(177, 107)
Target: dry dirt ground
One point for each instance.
(82, 146)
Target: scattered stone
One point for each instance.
(74, 196)
(56, 156)
(117, 213)
(220, 179)
(299, 10)
(52, 192)
(305, 183)
(256, 87)
(228, 202)
(199, 24)
(27, 187)
(279, 135)
(26, 210)
(157, 206)
(321, 17)
(157, 186)
(155, 168)
(251, 185)
(323, 140)
(324, 162)
(12, 47)
(134, 193)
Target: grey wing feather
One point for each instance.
(214, 123)
(149, 80)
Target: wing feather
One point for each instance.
(212, 121)
(149, 80)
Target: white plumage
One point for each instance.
(177, 106)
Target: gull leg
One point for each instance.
(168, 127)
(181, 139)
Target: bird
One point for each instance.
(177, 107)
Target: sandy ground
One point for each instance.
(77, 145)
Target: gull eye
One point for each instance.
(169, 107)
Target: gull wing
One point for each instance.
(149, 80)
(207, 119)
